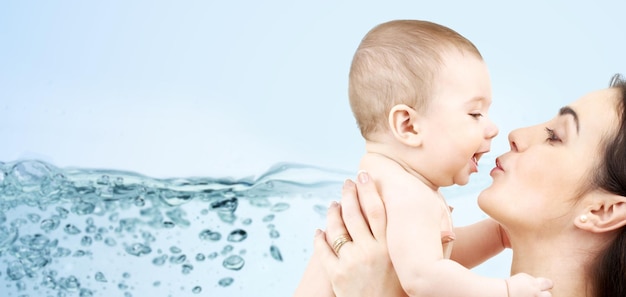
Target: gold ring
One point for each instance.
(340, 241)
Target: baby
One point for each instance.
(420, 93)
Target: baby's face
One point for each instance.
(457, 129)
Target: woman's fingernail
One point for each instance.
(318, 232)
(333, 204)
(363, 176)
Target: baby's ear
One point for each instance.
(403, 123)
(604, 212)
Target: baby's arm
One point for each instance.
(478, 242)
(414, 241)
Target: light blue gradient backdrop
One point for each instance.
(207, 88)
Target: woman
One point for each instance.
(559, 193)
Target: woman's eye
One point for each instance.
(476, 115)
(551, 135)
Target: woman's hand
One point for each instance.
(360, 266)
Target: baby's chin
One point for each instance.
(462, 179)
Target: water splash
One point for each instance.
(75, 231)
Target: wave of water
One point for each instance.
(96, 232)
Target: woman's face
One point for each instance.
(536, 183)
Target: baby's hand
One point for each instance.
(524, 285)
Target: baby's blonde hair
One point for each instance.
(396, 63)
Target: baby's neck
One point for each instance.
(385, 156)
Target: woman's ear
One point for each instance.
(404, 125)
(605, 212)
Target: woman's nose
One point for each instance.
(517, 140)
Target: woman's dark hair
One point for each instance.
(609, 272)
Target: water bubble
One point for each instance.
(156, 283)
(15, 270)
(109, 241)
(148, 237)
(268, 218)
(85, 293)
(275, 252)
(83, 208)
(207, 234)
(187, 268)
(62, 212)
(160, 260)
(33, 218)
(71, 229)
(50, 224)
(228, 205)
(86, 241)
(168, 225)
(281, 206)
(138, 249)
(274, 233)
(233, 262)
(100, 277)
(70, 283)
(212, 255)
(227, 249)
(103, 180)
(90, 229)
(237, 235)
(176, 215)
(19, 222)
(80, 253)
(29, 175)
(196, 290)
(175, 250)
(178, 259)
(321, 210)
(247, 221)
(200, 257)
(225, 282)
(126, 275)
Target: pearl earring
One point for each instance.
(583, 218)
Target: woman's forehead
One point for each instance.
(597, 112)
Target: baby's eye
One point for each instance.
(552, 137)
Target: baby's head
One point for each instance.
(397, 63)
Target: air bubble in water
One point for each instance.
(210, 235)
(138, 249)
(196, 290)
(275, 252)
(100, 277)
(237, 235)
(225, 282)
(281, 206)
(71, 229)
(160, 260)
(233, 262)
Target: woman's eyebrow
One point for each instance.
(568, 110)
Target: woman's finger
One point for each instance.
(371, 205)
(336, 234)
(324, 253)
(353, 219)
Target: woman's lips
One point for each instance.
(497, 168)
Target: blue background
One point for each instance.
(208, 88)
